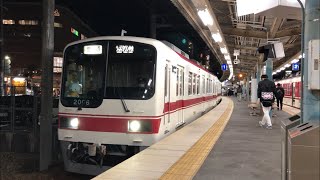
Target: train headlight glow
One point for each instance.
(134, 126)
(74, 123)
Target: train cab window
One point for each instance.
(83, 76)
(130, 70)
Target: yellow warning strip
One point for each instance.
(189, 164)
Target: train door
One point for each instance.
(180, 94)
(167, 95)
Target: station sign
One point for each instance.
(224, 67)
(295, 67)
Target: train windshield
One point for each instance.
(107, 69)
(131, 70)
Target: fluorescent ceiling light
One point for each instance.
(283, 68)
(224, 50)
(278, 70)
(274, 73)
(227, 57)
(205, 17)
(287, 65)
(217, 37)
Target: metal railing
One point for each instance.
(19, 121)
(18, 112)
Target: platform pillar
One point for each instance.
(269, 68)
(311, 98)
(46, 84)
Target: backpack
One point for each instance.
(266, 98)
(279, 93)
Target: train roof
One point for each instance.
(141, 40)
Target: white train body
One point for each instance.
(292, 88)
(181, 92)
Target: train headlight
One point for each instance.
(144, 126)
(74, 123)
(69, 123)
(134, 126)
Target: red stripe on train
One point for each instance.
(172, 106)
(118, 125)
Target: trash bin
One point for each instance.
(303, 151)
(285, 125)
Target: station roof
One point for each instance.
(245, 33)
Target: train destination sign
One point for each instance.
(92, 49)
(124, 49)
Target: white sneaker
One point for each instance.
(269, 127)
(260, 123)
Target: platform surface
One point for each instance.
(245, 151)
(226, 143)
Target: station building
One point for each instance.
(22, 35)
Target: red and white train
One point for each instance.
(292, 91)
(122, 94)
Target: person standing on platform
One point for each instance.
(279, 96)
(266, 93)
(239, 92)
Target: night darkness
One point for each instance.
(110, 17)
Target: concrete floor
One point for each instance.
(245, 151)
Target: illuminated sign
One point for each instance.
(224, 67)
(295, 67)
(75, 32)
(120, 49)
(92, 49)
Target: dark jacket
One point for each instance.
(239, 89)
(279, 95)
(266, 86)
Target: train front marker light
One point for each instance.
(134, 126)
(74, 123)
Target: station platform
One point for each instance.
(225, 143)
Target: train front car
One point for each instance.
(107, 105)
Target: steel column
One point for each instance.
(269, 68)
(46, 84)
(310, 99)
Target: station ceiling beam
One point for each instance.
(259, 34)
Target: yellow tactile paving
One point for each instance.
(188, 165)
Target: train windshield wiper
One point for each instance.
(124, 105)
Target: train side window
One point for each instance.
(182, 82)
(190, 83)
(203, 84)
(177, 82)
(207, 86)
(194, 90)
(165, 80)
(198, 84)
